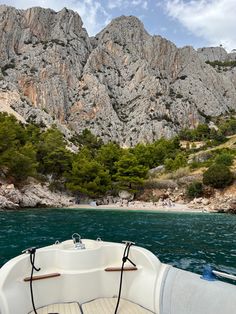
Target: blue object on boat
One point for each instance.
(208, 274)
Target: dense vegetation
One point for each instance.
(218, 176)
(211, 136)
(221, 63)
(98, 168)
(26, 150)
(195, 189)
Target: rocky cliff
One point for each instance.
(123, 84)
(33, 194)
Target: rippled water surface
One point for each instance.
(188, 241)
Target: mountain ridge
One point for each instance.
(123, 84)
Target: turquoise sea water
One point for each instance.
(188, 241)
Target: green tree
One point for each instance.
(50, 149)
(176, 163)
(194, 189)
(88, 177)
(130, 174)
(108, 155)
(228, 127)
(201, 132)
(51, 140)
(144, 154)
(159, 151)
(12, 133)
(217, 137)
(19, 164)
(88, 139)
(17, 156)
(57, 162)
(33, 133)
(224, 158)
(217, 176)
(186, 134)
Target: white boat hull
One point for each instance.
(80, 276)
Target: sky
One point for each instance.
(198, 23)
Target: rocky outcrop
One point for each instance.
(38, 71)
(32, 195)
(125, 195)
(145, 86)
(221, 204)
(12, 102)
(216, 54)
(123, 85)
(6, 204)
(212, 54)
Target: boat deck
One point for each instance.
(59, 308)
(98, 306)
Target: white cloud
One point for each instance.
(112, 4)
(145, 5)
(163, 29)
(93, 14)
(213, 20)
(136, 2)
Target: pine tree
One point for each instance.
(130, 174)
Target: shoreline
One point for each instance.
(184, 208)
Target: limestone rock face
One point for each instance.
(36, 195)
(124, 84)
(137, 88)
(32, 195)
(216, 54)
(43, 54)
(212, 53)
(6, 204)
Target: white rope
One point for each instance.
(224, 275)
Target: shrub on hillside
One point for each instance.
(224, 159)
(228, 127)
(218, 176)
(160, 184)
(194, 189)
(175, 175)
(179, 161)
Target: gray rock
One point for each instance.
(32, 195)
(185, 180)
(7, 204)
(124, 84)
(12, 194)
(200, 157)
(216, 54)
(205, 201)
(156, 170)
(36, 195)
(125, 195)
(212, 54)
